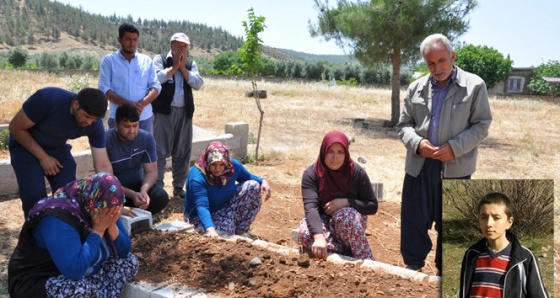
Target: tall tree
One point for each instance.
(250, 54)
(389, 31)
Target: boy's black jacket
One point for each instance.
(523, 277)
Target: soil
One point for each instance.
(223, 267)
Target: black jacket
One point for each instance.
(30, 266)
(162, 103)
(523, 277)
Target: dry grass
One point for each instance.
(523, 142)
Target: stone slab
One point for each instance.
(143, 219)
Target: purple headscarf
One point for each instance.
(81, 197)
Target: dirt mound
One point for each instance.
(232, 269)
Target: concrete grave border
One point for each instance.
(174, 290)
(236, 137)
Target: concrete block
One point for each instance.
(341, 260)
(84, 164)
(294, 235)
(175, 226)
(273, 247)
(138, 290)
(237, 128)
(394, 270)
(176, 291)
(378, 189)
(434, 279)
(244, 141)
(233, 143)
(9, 181)
(143, 219)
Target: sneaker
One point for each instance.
(178, 192)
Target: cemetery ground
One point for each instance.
(522, 144)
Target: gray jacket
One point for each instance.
(464, 122)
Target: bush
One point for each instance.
(351, 82)
(486, 62)
(532, 203)
(4, 139)
(17, 57)
(539, 85)
(79, 82)
(224, 62)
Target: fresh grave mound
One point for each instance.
(225, 268)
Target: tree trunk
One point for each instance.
(258, 102)
(395, 88)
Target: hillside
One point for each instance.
(43, 25)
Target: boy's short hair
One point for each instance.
(127, 112)
(497, 198)
(93, 101)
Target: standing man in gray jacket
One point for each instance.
(445, 116)
(174, 109)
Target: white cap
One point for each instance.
(180, 37)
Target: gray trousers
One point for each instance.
(173, 134)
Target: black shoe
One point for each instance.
(178, 192)
(414, 268)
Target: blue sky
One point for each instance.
(526, 30)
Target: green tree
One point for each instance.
(250, 54)
(486, 62)
(281, 68)
(551, 69)
(379, 31)
(48, 61)
(267, 68)
(75, 61)
(17, 57)
(91, 62)
(225, 61)
(63, 60)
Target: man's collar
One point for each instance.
(452, 78)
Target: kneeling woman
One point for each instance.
(337, 197)
(214, 200)
(73, 243)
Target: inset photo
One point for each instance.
(498, 238)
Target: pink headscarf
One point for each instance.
(216, 152)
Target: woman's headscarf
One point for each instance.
(216, 152)
(81, 197)
(334, 183)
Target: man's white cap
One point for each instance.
(180, 37)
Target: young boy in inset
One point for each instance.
(498, 265)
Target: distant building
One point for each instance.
(517, 82)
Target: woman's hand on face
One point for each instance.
(102, 219)
(319, 247)
(333, 206)
(113, 230)
(115, 213)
